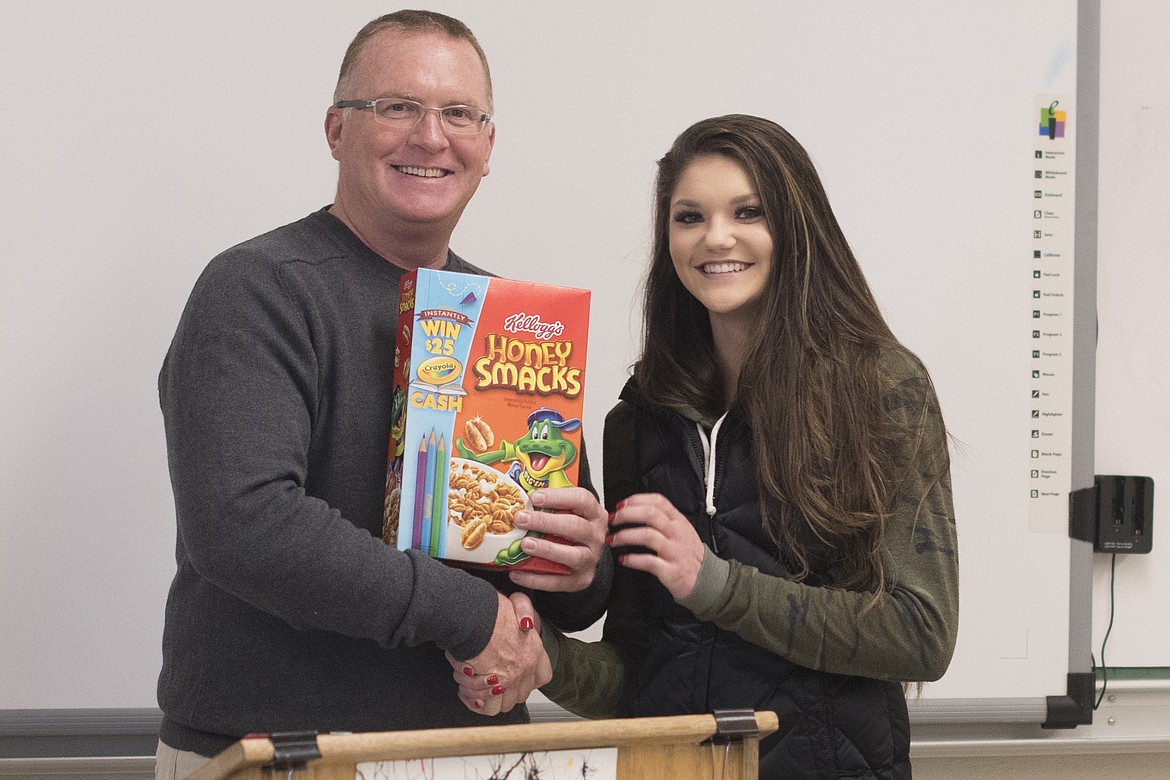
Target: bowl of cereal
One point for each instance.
(481, 510)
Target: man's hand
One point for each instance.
(574, 515)
(512, 665)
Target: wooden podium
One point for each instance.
(686, 747)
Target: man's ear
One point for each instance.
(334, 119)
(491, 145)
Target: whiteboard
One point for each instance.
(143, 138)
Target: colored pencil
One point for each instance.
(429, 496)
(420, 488)
(438, 524)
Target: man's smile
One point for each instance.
(429, 173)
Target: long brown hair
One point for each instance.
(812, 384)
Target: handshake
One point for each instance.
(649, 534)
(514, 662)
(512, 665)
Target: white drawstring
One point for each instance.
(709, 461)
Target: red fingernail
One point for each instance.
(478, 704)
(612, 515)
(620, 504)
(493, 680)
(609, 540)
(497, 690)
(467, 670)
(526, 624)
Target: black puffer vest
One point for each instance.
(831, 726)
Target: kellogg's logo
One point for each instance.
(531, 323)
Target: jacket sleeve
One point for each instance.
(239, 391)
(589, 678)
(909, 634)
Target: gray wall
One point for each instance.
(143, 138)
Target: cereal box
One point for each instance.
(488, 382)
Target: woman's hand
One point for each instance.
(657, 525)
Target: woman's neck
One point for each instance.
(730, 337)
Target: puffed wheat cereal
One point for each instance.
(479, 435)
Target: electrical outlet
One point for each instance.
(1125, 514)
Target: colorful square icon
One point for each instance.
(1053, 121)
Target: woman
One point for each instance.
(782, 458)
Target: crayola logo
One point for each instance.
(439, 371)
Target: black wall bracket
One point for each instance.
(1075, 708)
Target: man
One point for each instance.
(287, 612)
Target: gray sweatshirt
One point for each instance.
(287, 612)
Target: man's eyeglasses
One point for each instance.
(405, 114)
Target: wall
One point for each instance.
(1133, 288)
(143, 138)
(1130, 735)
(1131, 431)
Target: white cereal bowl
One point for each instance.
(485, 552)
